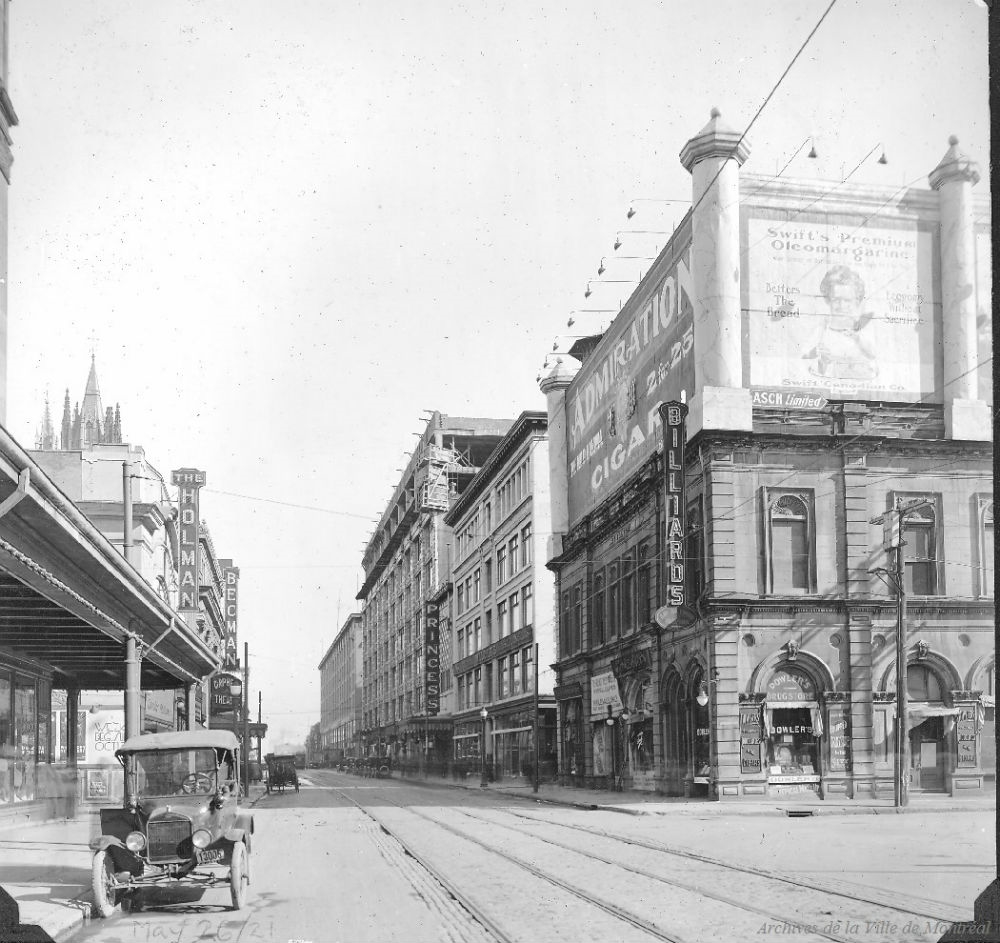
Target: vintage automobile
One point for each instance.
(281, 772)
(180, 823)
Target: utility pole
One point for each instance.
(534, 784)
(127, 512)
(892, 539)
(246, 719)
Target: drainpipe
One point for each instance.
(131, 686)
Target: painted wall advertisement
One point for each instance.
(645, 358)
(105, 734)
(843, 309)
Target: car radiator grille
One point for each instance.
(169, 838)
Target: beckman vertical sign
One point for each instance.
(230, 611)
(673, 416)
(432, 659)
(190, 482)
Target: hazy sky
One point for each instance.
(288, 229)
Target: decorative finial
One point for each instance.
(953, 139)
(716, 113)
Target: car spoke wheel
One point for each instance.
(103, 884)
(239, 876)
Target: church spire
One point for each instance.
(46, 438)
(92, 413)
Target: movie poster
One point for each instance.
(846, 310)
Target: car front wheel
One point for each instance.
(239, 876)
(103, 884)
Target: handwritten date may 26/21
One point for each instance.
(190, 929)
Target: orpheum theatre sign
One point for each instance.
(646, 357)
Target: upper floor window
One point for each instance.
(985, 546)
(512, 553)
(527, 606)
(611, 607)
(695, 551)
(501, 565)
(487, 576)
(643, 587)
(789, 538)
(476, 585)
(920, 538)
(525, 545)
(597, 610)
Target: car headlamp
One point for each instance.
(135, 841)
(201, 838)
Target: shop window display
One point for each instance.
(792, 748)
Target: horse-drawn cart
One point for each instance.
(281, 772)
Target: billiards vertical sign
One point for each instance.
(189, 481)
(432, 658)
(673, 416)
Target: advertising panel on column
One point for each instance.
(189, 481)
(841, 307)
(644, 358)
(230, 614)
(432, 659)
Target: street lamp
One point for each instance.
(236, 691)
(484, 713)
(610, 721)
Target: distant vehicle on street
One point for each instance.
(180, 822)
(281, 772)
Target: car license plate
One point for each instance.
(213, 854)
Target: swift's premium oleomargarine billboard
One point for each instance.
(644, 358)
(432, 659)
(844, 307)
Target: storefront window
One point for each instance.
(792, 745)
(6, 739)
(25, 738)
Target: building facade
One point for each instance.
(728, 614)
(340, 693)
(406, 563)
(501, 606)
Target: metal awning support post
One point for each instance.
(191, 701)
(131, 686)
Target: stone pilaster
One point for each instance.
(859, 640)
(713, 158)
(726, 735)
(966, 416)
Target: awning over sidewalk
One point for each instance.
(70, 600)
(918, 712)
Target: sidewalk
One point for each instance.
(642, 803)
(46, 869)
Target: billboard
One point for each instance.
(843, 307)
(644, 358)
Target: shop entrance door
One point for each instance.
(928, 755)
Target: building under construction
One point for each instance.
(407, 562)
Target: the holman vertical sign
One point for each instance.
(674, 432)
(190, 482)
(230, 611)
(432, 658)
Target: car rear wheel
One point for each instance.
(239, 876)
(103, 884)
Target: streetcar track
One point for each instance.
(909, 911)
(606, 906)
(460, 899)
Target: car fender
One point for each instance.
(123, 858)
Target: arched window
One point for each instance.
(789, 561)
(923, 684)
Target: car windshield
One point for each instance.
(175, 772)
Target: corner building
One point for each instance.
(340, 694)
(844, 372)
(407, 564)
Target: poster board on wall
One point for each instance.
(841, 306)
